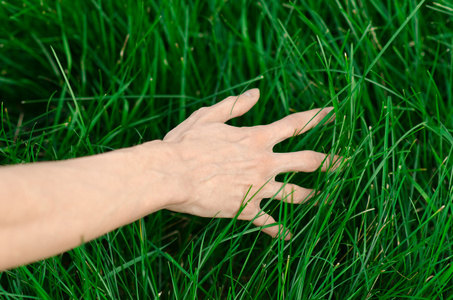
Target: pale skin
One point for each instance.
(202, 167)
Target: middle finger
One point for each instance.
(297, 123)
(305, 161)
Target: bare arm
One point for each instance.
(202, 167)
(50, 207)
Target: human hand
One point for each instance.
(221, 167)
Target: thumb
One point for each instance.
(276, 231)
(232, 107)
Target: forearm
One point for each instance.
(48, 208)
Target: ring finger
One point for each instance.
(287, 192)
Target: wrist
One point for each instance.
(155, 176)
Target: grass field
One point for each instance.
(84, 77)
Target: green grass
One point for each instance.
(132, 70)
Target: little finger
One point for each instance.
(274, 231)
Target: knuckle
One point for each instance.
(200, 113)
(313, 160)
(294, 193)
(266, 162)
(318, 115)
(249, 212)
(291, 193)
(258, 135)
(231, 98)
(228, 101)
(322, 114)
(169, 137)
(189, 134)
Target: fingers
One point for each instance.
(297, 123)
(274, 231)
(306, 161)
(287, 192)
(231, 107)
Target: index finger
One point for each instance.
(297, 123)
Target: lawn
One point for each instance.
(84, 77)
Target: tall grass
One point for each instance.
(84, 77)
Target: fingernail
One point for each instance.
(251, 93)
